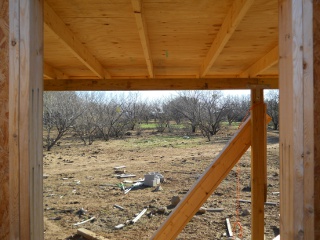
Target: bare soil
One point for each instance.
(82, 177)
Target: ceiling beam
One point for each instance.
(143, 33)
(158, 84)
(264, 63)
(53, 73)
(236, 13)
(54, 23)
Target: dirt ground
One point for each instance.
(80, 182)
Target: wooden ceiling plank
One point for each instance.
(264, 63)
(158, 84)
(236, 13)
(143, 33)
(54, 23)
(53, 73)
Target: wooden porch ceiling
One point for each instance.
(137, 40)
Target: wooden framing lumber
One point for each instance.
(236, 13)
(258, 163)
(85, 221)
(4, 120)
(25, 119)
(158, 84)
(267, 61)
(296, 121)
(316, 72)
(52, 73)
(206, 184)
(143, 33)
(55, 24)
(87, 234)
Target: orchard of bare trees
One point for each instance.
(99, 115)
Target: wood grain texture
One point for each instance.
(264, 63)
(158, 84)
(296, 121)
(58, 27)
(25, 119)
(143, 33)
(258, 163)
(308, 124)
(180, 35)
(4, 120)
(236, 13)
(316, 72)
(14, 155)
(53, 73)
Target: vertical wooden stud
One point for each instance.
(258, 163)
(25, 119)
(316, 71)
(4, 119)
(296, 119)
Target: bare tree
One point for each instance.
(134, 109)
(170, 109)
(272, 100)
(213, 108)
(86, 125)
(187, 104)
(110, 117)
(61, 109)
(236, 108)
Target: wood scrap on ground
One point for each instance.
(214, 209)
(229, 228)
(88, 220)
(89, 234)
(116, 168)
(137, 184)
(125, 175)
(118, 206)
(266, 203)
(120, 226)
(139, 216)
(134, 220)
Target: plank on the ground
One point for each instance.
(117, 168)
(89, 234)
(229, 228)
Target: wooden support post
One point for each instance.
(4, 119)
(25, 119)
(296, 119)
(258, 163)
(316, 72)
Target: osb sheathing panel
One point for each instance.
(4, 114)
(316, 52)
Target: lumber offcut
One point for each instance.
(89, 234)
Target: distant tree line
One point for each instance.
(92, 115)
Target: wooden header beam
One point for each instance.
(236, 13)
(158, 84)
(143, 33)
(55, 24)
(267, 61)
